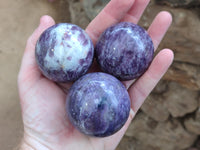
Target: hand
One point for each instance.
(43, 102)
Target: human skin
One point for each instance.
(43, 101)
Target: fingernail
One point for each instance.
(132, 113)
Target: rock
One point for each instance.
(185, 74)
(180, 101)
(51, 0)
(192, 148)
(182, 39)
(184, 32)
(141, 124)
(169, 135)
(93, 7)
(129, 143)
(161, 87)
(78, 15)
(193, 124)
(154, 107)
(179, 3)
(63, 11)
(197, 144)
(181, 36)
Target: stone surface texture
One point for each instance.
(154, 107)
(180, 101)
(98, 104)
(179, 3)
(64, 52)
(78, 15)
(124, 50)
(192, 124)
(167, 135)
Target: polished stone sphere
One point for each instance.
(98, 104)
(64, 52)
(124, 50)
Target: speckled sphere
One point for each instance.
(124, 50)
(64, 52)
(98, 104)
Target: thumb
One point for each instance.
(29, 72)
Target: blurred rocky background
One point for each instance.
(170, 117)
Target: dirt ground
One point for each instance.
(18, 18)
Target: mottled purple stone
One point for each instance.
(98, 104)
(64, 52)
(124, 50)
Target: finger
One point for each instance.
(136, 11)
(145, 84)
(29, 71)
(128, 83)
(111, 14)
(45, 22)
(159, 27)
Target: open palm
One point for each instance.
(46, 125)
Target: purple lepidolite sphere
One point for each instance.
(124, 50)
(64, 52)
(98, 104)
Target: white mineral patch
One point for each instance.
(61, 50)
